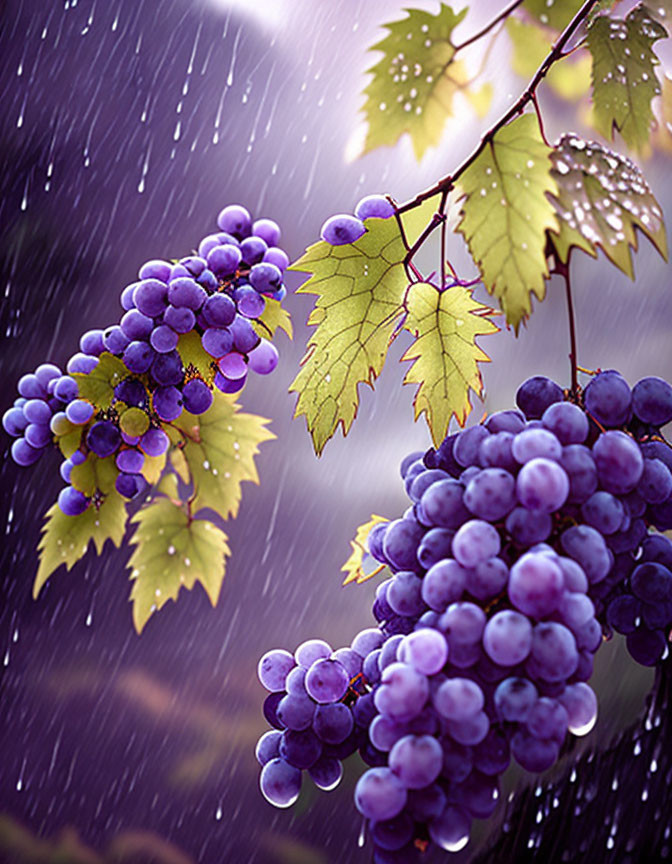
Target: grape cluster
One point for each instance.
(527, 539)
(344, 228)
(216, 293)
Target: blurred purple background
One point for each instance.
(125, 127)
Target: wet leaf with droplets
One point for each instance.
(219, 450)
(602, 198)
(360, 290)
(624, 77)
(66, 539)
(445, 325)
(505, 215)
(414, 83)
(172, 551)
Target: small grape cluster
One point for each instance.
(527, 539)
(344, 228)
(216, 294)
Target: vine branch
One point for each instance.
(446, 184)
(488, 27)
(564, 271)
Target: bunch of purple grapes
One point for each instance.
(528, 538)
(216, 293)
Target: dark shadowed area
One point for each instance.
(125, 127)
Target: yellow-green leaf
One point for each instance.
(360, 289)
(220, 450)
(602, 199)
(194, 355)
(179, 464)
(414, 83)
(624, 77)
(70, 442)
(274, 317)
(530, 44)
(416, 220)
(95, 475)
(153, 468)
(505, 215)
(446, 325)
(97, 386)
(65, 539)
(172, 551)
(354, 566)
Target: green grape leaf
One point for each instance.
(360, 290)
(153, 468)
(95, 475)
(65, 539)
(505, 214)
(97, 386)
(70, 442)
(413, 85)
(662, 136)
(180, 465)
(354, 566)
(624, 78)
(219, 451)
(194, 355)
(602, 199)
(416, 220)
(173, 550)
(446, 325)
(553, 13)
(274, 317)
(168, 486)
(530, 42)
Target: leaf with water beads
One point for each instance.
(414, 83)
(602, 199)
(219, 449)
(505, 215)
(173, 550)
(624, 78)
(66, 539)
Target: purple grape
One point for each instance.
(103, 438)
(280, 783)
(226, 385)
(249, 302)
(536, 394)
(542, 485)
(81, 363)
(264, 358)
(72, 502)
(458, 699)
(167, 402)
(536, 585)
(14, 421)
(132, 392)
(265, 278)
(312, 650)
(608, 399)
(197, 396)
(186, 293)
(154, 269)
(130, 485)
(130, 461)
(235, 220)
(115, 340)
(619, 462)
(417, 760)
(91, 343)
(167, 369)
(374, 206)
(268, 746)
(37, 411)
(194, 264)
(278, 257)
(163, 339)
(217, 342)
(474, 542)
(267, 230)
(400, 544)
(37, 436)
(151, 296)
(180, 320)
(154, 442)
(47, 372)
(219, 310)
(136, 326)
(379, 794)
(273, 668)
(253, 250)
(514, 697)
(342, 229)
(326, 681)
(138, 357)
(507, 638)
(567, 422)
(224, 260)
(23, 454)
(244, 337)
(232, 365)
(652, 401)
(79, 412)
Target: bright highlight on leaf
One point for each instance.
(415, 82)
(360, 289)
(66, 539)
(173, 551)
(602, 198)
(624, 78)
(219, 453)
(354, 566)
(98, 386)
(505, 214)
(446, 325)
